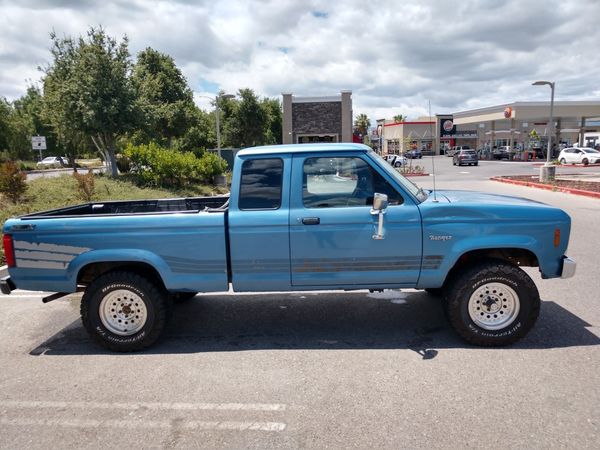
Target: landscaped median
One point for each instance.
(588, 186)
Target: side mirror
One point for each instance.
(380, 202)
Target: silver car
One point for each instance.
(467, 157)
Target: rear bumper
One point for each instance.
(7, 285)
(568, 268)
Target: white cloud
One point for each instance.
(394, 56)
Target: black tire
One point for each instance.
(563, 161)
(585, 161)
(508, 286)
(133, 288)
(476, 164)
(182, 297)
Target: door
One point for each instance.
(332, 230)
(259, 224)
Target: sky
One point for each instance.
(395, 56)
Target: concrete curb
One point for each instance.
(548, 187)
(578, 166)
(415, 174)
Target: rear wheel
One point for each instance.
(124, 311)
(492, 303)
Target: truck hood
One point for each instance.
(483, 198)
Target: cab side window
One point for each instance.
(343, 182)
(260, 186)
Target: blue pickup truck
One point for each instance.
(299, 217)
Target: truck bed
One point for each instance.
(171, 205)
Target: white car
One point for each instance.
(52, 161)
(579, 155)
(396, 160)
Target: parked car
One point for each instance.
(501, 153)
(396, 160)
(579, 155)
(52, 161)
(468, 157)
(414, 154)
(456, 149)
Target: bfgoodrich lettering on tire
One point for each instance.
(123, 311)
(492, 303)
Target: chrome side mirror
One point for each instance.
(380, 204)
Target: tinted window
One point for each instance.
(261, 184)
(341, 182)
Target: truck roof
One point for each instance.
(304, 148)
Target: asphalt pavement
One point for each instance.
(317, 370)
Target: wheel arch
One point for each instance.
(91, 271)
(519, 257)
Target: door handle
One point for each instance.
(311, 221)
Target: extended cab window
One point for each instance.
(261, 184)
(341, 182)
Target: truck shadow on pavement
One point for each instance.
(352, 320)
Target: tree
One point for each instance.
(362, 124)
(27, 120)
(246, 127)
(87, 91)
(399, 118)
(200, 135)
(274, 119)
(163, 97)
(5, 126)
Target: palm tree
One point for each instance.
(362, 123)
(399, 118)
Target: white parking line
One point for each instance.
(148, 424)
(144, 405)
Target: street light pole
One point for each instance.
(548, 171)
(218, 119)
(218, 116)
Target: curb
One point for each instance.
(578, 166)
(548, 187)
(414, 174)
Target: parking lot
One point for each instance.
(305, 370)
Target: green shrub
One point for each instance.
(210, 165)
(12, 181)
(158, 166)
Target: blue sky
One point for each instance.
(393, 55)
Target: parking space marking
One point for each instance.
(145, 405)
(148, 424)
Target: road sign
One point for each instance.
(38, 142)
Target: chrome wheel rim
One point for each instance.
(123, 312)
(494, 306)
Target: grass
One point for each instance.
(51, 193)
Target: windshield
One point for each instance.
(407, 184)
(590, 150)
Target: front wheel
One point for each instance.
(492, 303)
(123, 311)
(585, 161)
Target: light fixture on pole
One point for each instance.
(548, 171)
